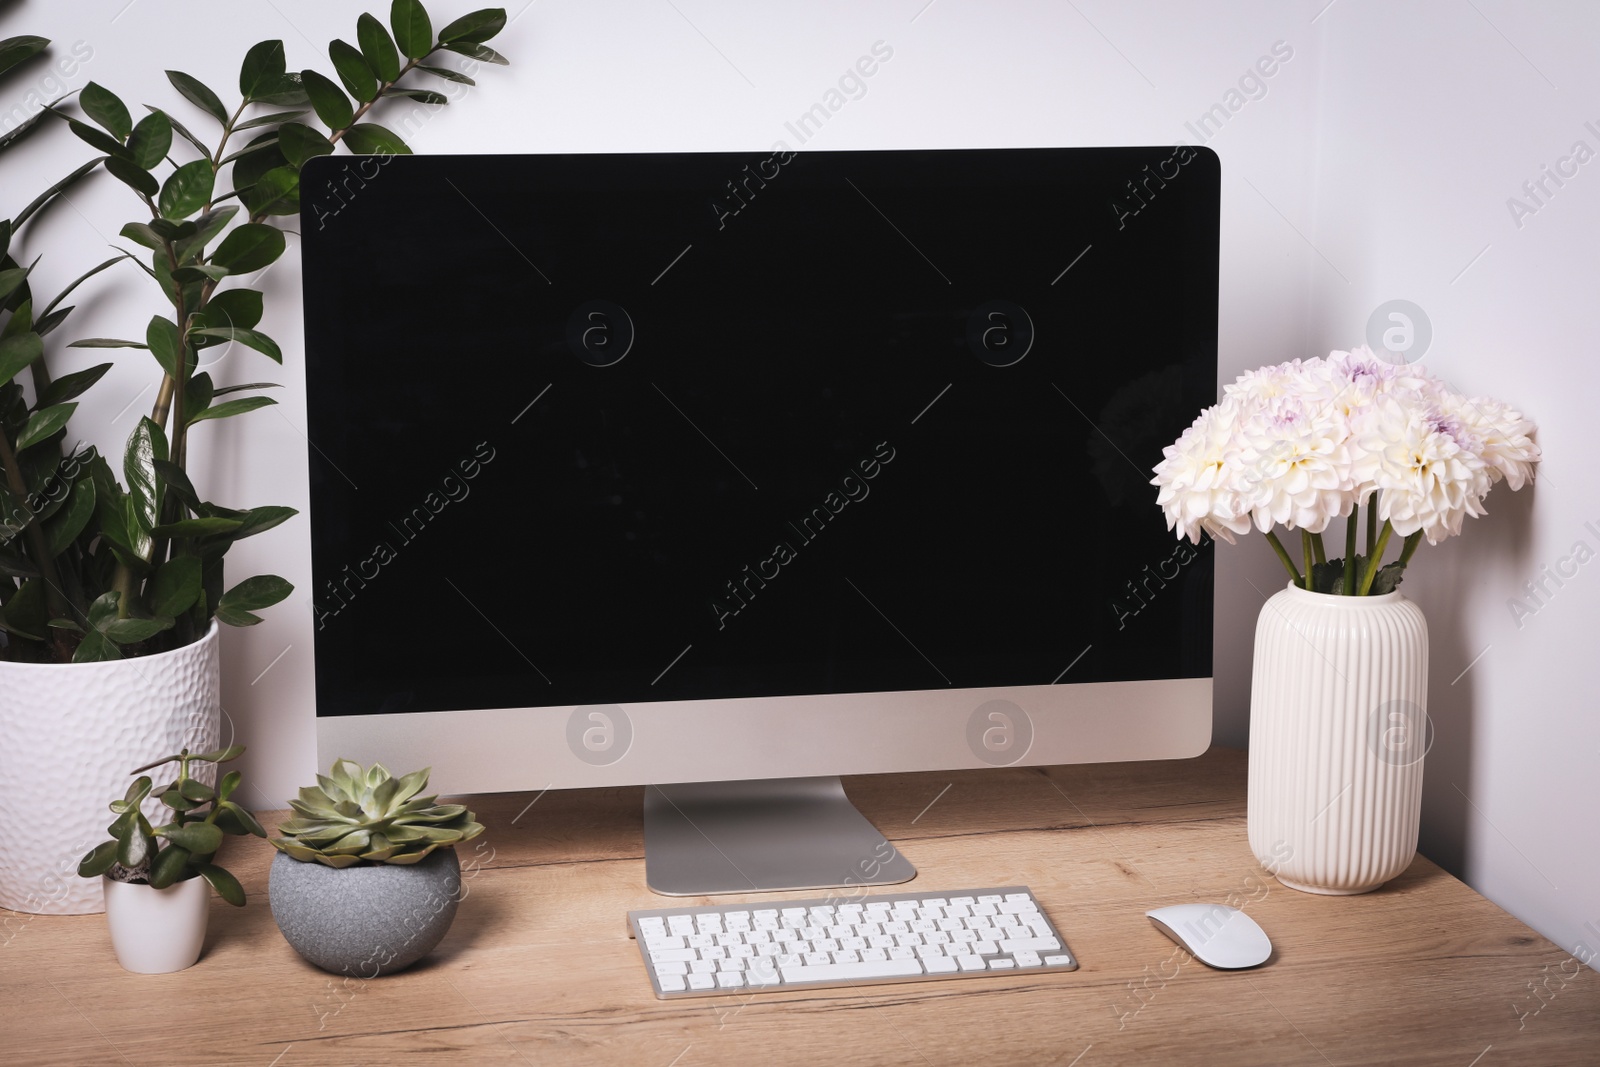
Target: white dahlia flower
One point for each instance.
(1423, 463)
(1196, 491)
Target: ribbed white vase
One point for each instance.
(1338, 731)
(69, 735)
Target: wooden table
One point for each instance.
(539, 970)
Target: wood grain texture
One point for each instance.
(538, 968)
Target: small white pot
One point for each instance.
(155, 931)
(69, 735)
(1338, 731)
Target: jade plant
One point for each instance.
(91, 569)
(185, 846)
(366, 815)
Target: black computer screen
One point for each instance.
(617, 428)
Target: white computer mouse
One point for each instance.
(1215, 934)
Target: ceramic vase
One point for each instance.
(1338, 731)
(69, 735)
(156, 931)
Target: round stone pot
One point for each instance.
(365, 921)
(69, 735)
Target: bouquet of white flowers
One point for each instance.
(1307, 442)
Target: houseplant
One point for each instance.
(367, 880)
(125, 581)
(155, 876)
(1338, 710)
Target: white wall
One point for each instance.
(1394, 175)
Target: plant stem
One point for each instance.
(1371, 571)
(1372, 526)
(1288, 564)
(411, 64)
(1410, 547)
(1316, 543)
(1308, 555)
(1350, 531)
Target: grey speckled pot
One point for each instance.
(365, 921)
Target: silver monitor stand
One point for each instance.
(768, 835)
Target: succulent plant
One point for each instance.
(364, 814)
(200, 817)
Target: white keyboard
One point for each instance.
(841, 940)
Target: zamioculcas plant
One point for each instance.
(186, 845)
(153, 580)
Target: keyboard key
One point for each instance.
(670, 955)
(703, 966)
(847, 972)
(971, 963)
(1000, 963)
(985, 948)
(1058, 961)
(730, 980)
(1015, 897)
(935, 902)
(941, 965)
(1026, 958)
(1022, 944)
(898, 953)
(702, 981)
(963, 900)
(671, 983)
(677, 967)
(990, 898)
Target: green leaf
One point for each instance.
(481, 52)
(237, 604)
(232, 307)
(475, 27)
(198, 837)
(151, 140)
(25, 613)
(11, 279)
(262, 70)
(21, 321)
(51, 319)
(277, 192)
(289, 92)
(98, 860)
(14, 50)
(161, 336)
(299, 143)
(73, 518)
(268, 120)
(196, 395)
(141, 233)
(71, 385)
(378, 47)
(249, 169)
(422, 96)
(130, 631)
(229, 783)
(354, 71)
(98, 139)
(204, 526)
(249, 247)
(136, 849)
(256, 146)
(200, 272)
(250, 339)
(177, 482)
(54, 191)
(259, 520)
(447, 74)
(328, 100)
(102, 105)
(133, 176)
(222, 389)
(412, 30)
(169, 864)
(370, 139)
(220, 755)
(186, 190)
(196, 790)
(232, 407)
(175, 586)
(226, 885)
(17, 352)
(206, 227)
(43, 424)
(181, 130)
(106, 342)
(146, 444)
(246, 819)
(194, 91)
(1388, 578)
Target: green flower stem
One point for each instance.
(1410, 547)
(1316, 543)
(1288, 564)
(1308, 554)
(1351, 529)
(1377, 557)
(1372, 526)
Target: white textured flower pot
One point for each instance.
(1338, 730)
(156, 931)
(69, 735)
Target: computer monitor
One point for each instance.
(726, 474)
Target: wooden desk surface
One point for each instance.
(538, 968)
